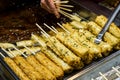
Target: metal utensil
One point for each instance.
(106, 26)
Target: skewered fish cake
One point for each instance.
(64, 53)
(27, 68)
(68, 27)
(113, 29)
(55, 70)
(16, 68)
(109, 38)
(37, 38)
(79, 50)
(44, 72)
(94, 51)
(105, 47)
(50, 54)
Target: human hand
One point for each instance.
(51, 7)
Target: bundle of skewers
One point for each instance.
(63, 5)
(65, 9)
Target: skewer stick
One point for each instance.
(50, 28)
(21, 53)
(64, 13)
(70, 16)
(118, 75)
(10, 55)
(63, 28)
(49, 40)
(47, 36)
(44, 34)
(37, 40)
(65, 9)
(11, 52)
(2, 55)
(29, 50)
(42, 29)
(61, 2)
(54, 29)
(116, 70)
(66, 5)
(103, 76)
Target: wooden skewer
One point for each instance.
(66, 5)
(50, 28)
(10, 55)
(69, 10)
(65, 14)
(47, 35)
(116, 70)
(63, 28)
(103, 76)
(2, 55)
(11, 52)
(37, 40)
(70, 16)
(42, 29)
(44, 34)
(118, 75)
(54, 29)
(29, 50)
(49, 39)
(21, 53)
(61, 2)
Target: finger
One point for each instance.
(45, 6)
(57, 6)
(53, 8)
(51, 4)
(57, 14)
(58, 3)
